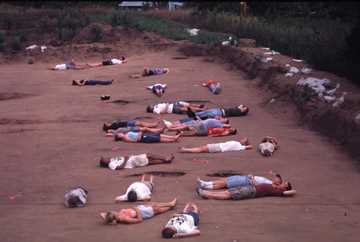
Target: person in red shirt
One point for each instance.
(213, 86)
(249, 191)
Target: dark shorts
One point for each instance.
(107, 63)
(195, 217)
(177, 108)
(130, 123)
(150, 138)
(200, 130)
(245, 192)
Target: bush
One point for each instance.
(2, 40)
(96, 33)
(15, 43)
(66, 34)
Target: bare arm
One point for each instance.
(289, 193)
(248, 147)
(182, 235)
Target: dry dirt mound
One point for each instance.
(336, 116)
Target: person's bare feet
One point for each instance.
(183, 150)
(170, 158)
(173, 203)
(103, 215)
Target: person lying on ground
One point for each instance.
(151, 72)
(220, 147)
(197, 130)
(179, 107)
(137, 214)
(249, 191)
(124, 130)
(108, 62)
(239, 181)
(132, 161)
(91, 82)
(72, 65)
(201, 125)
(128, 123)
(183, 224)
(158, 89)
(185, 122)
(268, 146)
(240, 110)
(213, 86)
(138, 191)
(146, 137)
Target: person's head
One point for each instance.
(122, 58)
(244, 109)
(232, 131)
(104, 163)
(159, 91)
(286, 185)
(244, 141)
(119, 136)
(73, 201)
(150, 108)
(132, 196)
(277, 179)
(168, 232)
(145, 72)
(109, 217)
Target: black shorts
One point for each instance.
(195, 217)
(107, 63)
(149, 137)
(177, 108)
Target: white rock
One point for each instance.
(294, 70)
(340, 100)
(297, 60)
(357, 118)
(193, 31)
(317, 85)
(267, 59)
(43, 48)
(329, 98)
(31, 47)
(289, 74)
(332, 91)
(225, 42)
(306, 70)
(287, 65)
(265, 48)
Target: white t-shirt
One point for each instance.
(60, 67)
(261, 180)
(231, 146)
(116, 61)
(163, 108)
(116, 162)
(141, 189)
(183, 223)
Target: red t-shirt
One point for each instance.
(212, 131)
(263, 190)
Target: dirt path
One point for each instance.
(51, 140)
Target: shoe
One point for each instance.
(105, 97)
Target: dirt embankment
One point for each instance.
(326, 103)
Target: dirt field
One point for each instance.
(51, 140)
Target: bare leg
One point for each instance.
(143, 178)
(151, 179)
(152, 130)
(191, 132)
(171, 204)
(201, 149)
(191, 207)
(213, 185)
(219, 195)
(159, 159)
(147, 124)
(168, 138)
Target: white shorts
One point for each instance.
(226, 146)
(137, 161)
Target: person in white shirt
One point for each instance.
(132, 161)
(268, 146)
(138, 191)
(179, 107)
(158, 89)
(183, 224)
(108, 62)
(72, 65)
(243, 144)
(238, 181)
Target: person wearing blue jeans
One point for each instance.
(91, 82)
(240, 110)
(128, 123)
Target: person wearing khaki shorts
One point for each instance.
(243, 144)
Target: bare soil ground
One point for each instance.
(51, 140)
